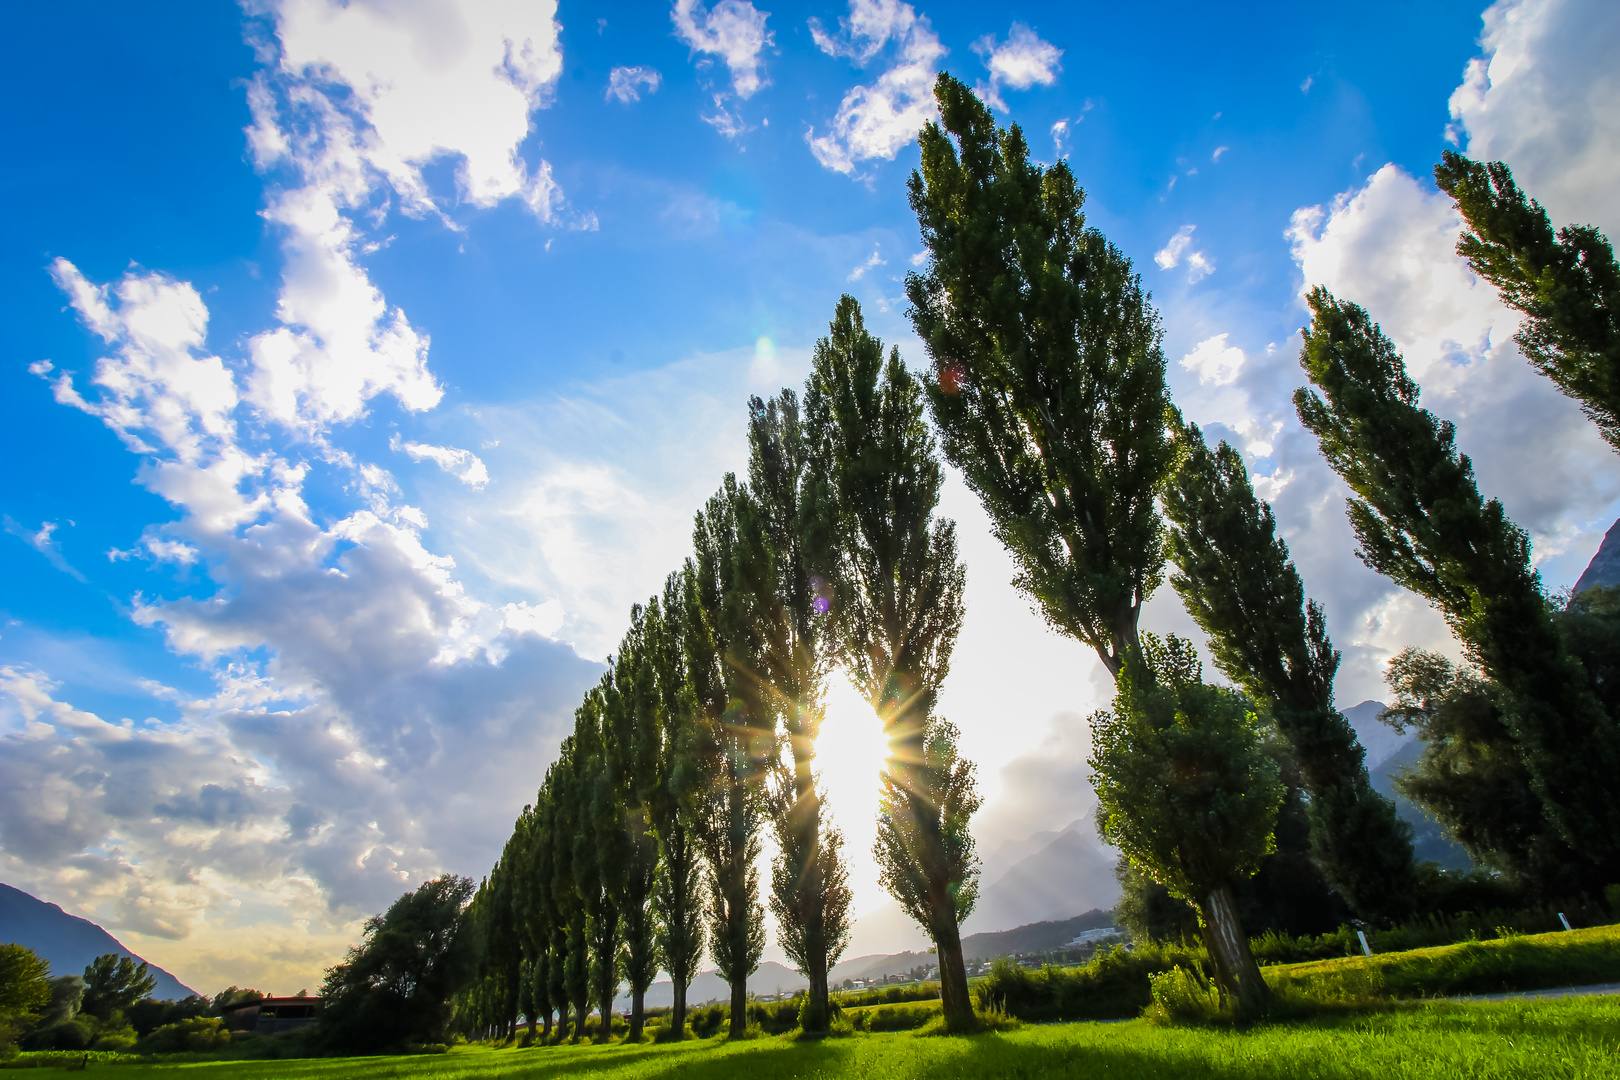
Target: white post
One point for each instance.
(1365, 948)
(1564, 921)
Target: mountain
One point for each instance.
(1429, 841)
(1604, 569)
(1378, 738)
(67, 941)
(771, 978)
(1070, 871)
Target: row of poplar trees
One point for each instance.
(1047, 390)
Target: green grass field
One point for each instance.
(1543, 1040)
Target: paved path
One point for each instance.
(1532, 995)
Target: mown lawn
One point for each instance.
(1543, 1040)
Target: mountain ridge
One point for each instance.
(68, 942)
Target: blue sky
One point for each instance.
(421, 332)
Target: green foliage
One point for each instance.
(1568, 287)
(1471, 776)
(147, 1015)
(1241, 587)
(1115, 985)
(198, 1034)
(112, 983)
(395, 987)
(895, 596)
(25, 991)
(1183, 788)
(1182, 996)
(1421, 522)
(900, 1017)
(1048, 380)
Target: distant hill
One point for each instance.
(774, 978)
(1048, 877)
(1429, 841)
(67, 941)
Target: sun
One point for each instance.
(850, 753)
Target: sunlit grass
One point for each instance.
(1545, 1040)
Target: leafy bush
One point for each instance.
(198, 1034)
(64, 1037)
(1116, 985)
(1182, 996)
(706, 1020)
(902, 1017)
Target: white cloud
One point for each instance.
(1390, 246)
(43, 541)
(464, 465)
(362, 97)
(1545, 100)
(625, 83)
(860, 271)
(1176, 251)
(1060, 139)
(733, 30)
(875, 121)
(1022, 61)
(1214, 361)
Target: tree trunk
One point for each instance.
(739, 1008)
(545, 1026)
(637, 997)
(1236, 973)
(955, 1000)
(562, 1021)
(677, 1015)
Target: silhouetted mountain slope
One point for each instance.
(67, 941)
(1429, 841)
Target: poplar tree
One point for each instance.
(1048, 382)
(629, 852)
(895, 592)
(1187, 792)
(783, 525)
(596, 874)
(573, 973)
(1421, 522)
(723, 660)
(1240, 586)
(1567, 285)
(675, 780)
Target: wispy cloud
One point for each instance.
(1178, 250)
(43, 540)
(626, 83)
(464, 465)
(860, 271)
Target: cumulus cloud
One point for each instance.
(464, 465)
(626, 83)
(1022, 61)
(1543, 99)
(357, 684)
(1178, 250)
(733, 30)
(876, 120)
(1214, 361)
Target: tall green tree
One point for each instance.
(723, 658)
(598, 873)
(25, 992)
(785, 530)
(1240, 586)
(1471, 777)
(397, 985)
(675, 781)
(628, 853)
(1421, 522)
(113, 983)
(1187, 792)
(572, 973)
(1567, 285)
(1048, 382)
(895, 592)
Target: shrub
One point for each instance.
(1114, 986)
(1181, 996)
(64, 1037)
(902, 1017)
(197, 1034)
